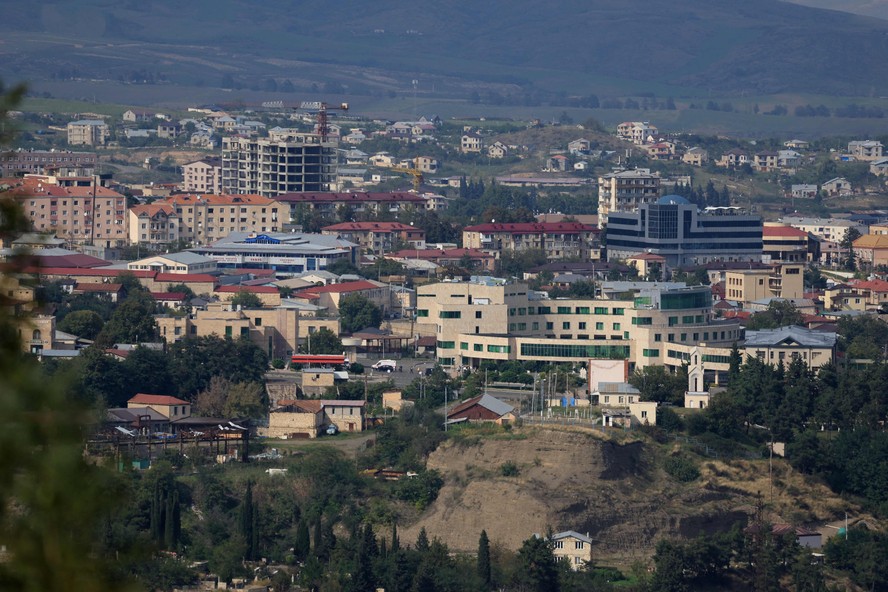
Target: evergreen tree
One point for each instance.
(539, 568)
(247, 522)
(302, 546)
(422, 541)
(396, 544)
(484, 560)
(424, 580)
(318, 538)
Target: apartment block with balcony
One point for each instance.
(203, 176)
(88, 132)
(266, 167)
(42, 162)
(154, 224)
(358, 202)
(625, 191)
(787, 244)
(207, 218)
(378, 238)
(867, 150)
(559, 240)
(637, 132)
(782, 280)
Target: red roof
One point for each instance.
(95, 272)
(357, 197)
(874, 285)
(336, 289)
(440, 254)
(647, 257)
(533, 227)
(783, 231)
(251, 289)
(184, 277)
(74, 260)
(145, 399)
(97, 287)
(170, 296)
(365, 226)
(245, 199)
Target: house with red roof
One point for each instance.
(782, 243)
(476, 258)
(113, 292)
(329, 296)
(269, 295)
(377, 238)
(869, 295)
(153, 224)
(559, 240)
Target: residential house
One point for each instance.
(355, 157)
(868, 150)
(695, 156)
(837, 187)
(871, 250)
(788, 159)
(662, 150)
(168, 130)
(484, 409)
(573, 547)
(879, 167)
(637, 132)
(860, 295)
(649, 265)
(803, 191)
(557, 163)
(615, 394)
(88, 132)
(113, 292)
(382, 160)
(797, 144)
(306, 418)
(330, 296)
(765, 161)
(733, 158)
(471, 143)
(137, 115)
(473, 259)
(170, 407)
(184, 263)
(830, 229)
(579, 146)
(425, 164)
(498, 150)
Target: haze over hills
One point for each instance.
(522, 46)
(876, 8)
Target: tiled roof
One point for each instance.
(357, 197)
(367, 226)
(153, 209)
(874, 285)
(184, 277)
(251, 289)
(145, 399)
(872, 241)
(245, 199)
(532, 227)
(94, 287)
(336, 289)
(782, 231)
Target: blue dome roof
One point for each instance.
(672, 200)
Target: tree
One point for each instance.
(246, 399)
(181, 289)
(322, 341)
(780, 313)
(358, 312)
(211, 401)
(342, 267)
(248, 522)
(539, 569)
(656, 383)
(245, 299)
(132, 322)
(302, 545)
(83, 323)
(484, 560)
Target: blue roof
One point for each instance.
(672, 200)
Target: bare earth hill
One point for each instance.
(616, 492)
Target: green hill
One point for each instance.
(524, 46)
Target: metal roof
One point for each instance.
(789, 336)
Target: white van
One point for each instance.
(385, 366)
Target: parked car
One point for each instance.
(385, 366)
(332, 430)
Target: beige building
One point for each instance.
(644, 323)
(865, 149)
(782, 346)
(75, 209)
(637, 132)
(782, 280)
(203, 176)
(207, 218)
(695, 157)
(830, 229)
(624, 191)
(154, 224)
(871, 250)
(786, 244)
(559, 240)
(88, 132)
(471, 143)
(170, 407)
(378, 238)
(306, 417)
(574, 548)
(869, 295)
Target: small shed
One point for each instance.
(483, 408)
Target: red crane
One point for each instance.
(322, 108)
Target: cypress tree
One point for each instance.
(484, 560)
(169, 531)
(302, 546)
(422, 541)
(246, 520)
(254, 532)
(318, 537)
(396, 544)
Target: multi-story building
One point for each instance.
(153, 224)
(471, 143)
(642, 322)
(75, 209)
(637, 132)
(298, 162)
(830, 229)
(625, 191)
(206, 218)
(286, 253)
(357, 202)
(871, 250)
(675, 228)
(377, 238)
(695, 156)
(782, 280)
(88, 132)
(787, 244)
(784, 345)
(559, 240)
(869, 295)
(865, 149)
(42, 162)
(203, 176)
(765, 161)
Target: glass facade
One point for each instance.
(565, 350)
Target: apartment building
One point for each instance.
(75, 209)
(765, 161)
(378, 238)
(358, 202)
(155, 224)
(675, 229)
(207, 218)
(88, 132)
(830, 229)
(45, 162)
(266, 167)
(203, 176)
(559, 240)
(782, 280)
(645, 323)
(625, 191)
(471, 143)
(868, 295)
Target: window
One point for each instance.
(422, 312)
(651, 353)
(550, 326)
(498, 349)
(559, 544)
(565, 326)
(257, 321)
(446, 344)
(463, 345)
(582, 326)
(228, 331)
(578, 545)
(477, 314)
(616, 326)
(477, 347)
(450, 314)
(582, 310)
(563, 310)
(658, 337)
(599, 326)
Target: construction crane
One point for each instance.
(417, 175)
(322, 108)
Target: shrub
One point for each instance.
(681, 469)
(509, 469)
(356, 368)
(278, 364)
(420, 490)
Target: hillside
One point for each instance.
(453, 48)
(876, 8)
(615, 491)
